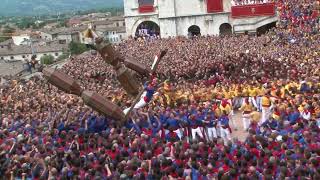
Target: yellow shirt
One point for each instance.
(255, 116)
(252, 92)
(265, 101)
(227, 94)
(245, 92)
(274, 92)
(227, 108)
(246, 107)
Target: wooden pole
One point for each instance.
(153, 69)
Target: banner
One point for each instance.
(252, 10)
(214, 6)
(146, 6)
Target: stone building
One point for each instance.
(191, 17)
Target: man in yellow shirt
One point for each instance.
(246, 109)
(255, 116)
(266, 108)
(252, 96)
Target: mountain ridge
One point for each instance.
(39, 7)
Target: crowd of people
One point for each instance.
(185, 131)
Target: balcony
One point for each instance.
(146, 9)
(253, 10)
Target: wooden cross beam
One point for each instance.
(154, 67)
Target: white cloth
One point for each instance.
(266, 113)
(225, 134)
(179, 132)
(246, 121)
(141, 103)
(253, 101)
(306, 115)
(212, 133)
(196, 131)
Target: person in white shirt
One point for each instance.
(306, 114)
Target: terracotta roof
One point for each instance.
(116, 18)
(102, 22)
(70, 30)
(4, 43)
(25, 49)
(116, 29)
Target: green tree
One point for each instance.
(63, 56)
(77, 48)
(8, 29)
(25, 23)
(3, 38)
(47, 59)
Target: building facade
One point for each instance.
(11, 52)
(182, 17)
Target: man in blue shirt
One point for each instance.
(293, 116)
(211, 124)
(195, 125)
(225, 128)
(174, 125)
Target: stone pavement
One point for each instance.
(239, 133)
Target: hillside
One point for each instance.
(38, 7)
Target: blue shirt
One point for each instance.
(150, 91)
(195, 123)
(293, 117)
(173, 123)
(212, 123)
(224, 120)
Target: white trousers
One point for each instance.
(141, 103)
(196, 131)
(179, 133)
(253, 101)
(266, 113)
(225, 134)
(212, 133)
(246, 121)
(258, 101)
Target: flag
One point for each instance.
(146, 6)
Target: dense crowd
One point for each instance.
(185, 131)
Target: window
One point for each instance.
(57, 54)
(44, 54)
(62, 41)
(23, 56)
(113, 32)
(124, 24)
(2, 58)
(11, 57)
(117, 24)
(1, 46)
(120, 36)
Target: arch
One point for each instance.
(147, 28)
(265, 28)
(225, 29)
(142, 21)
(194, 30)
